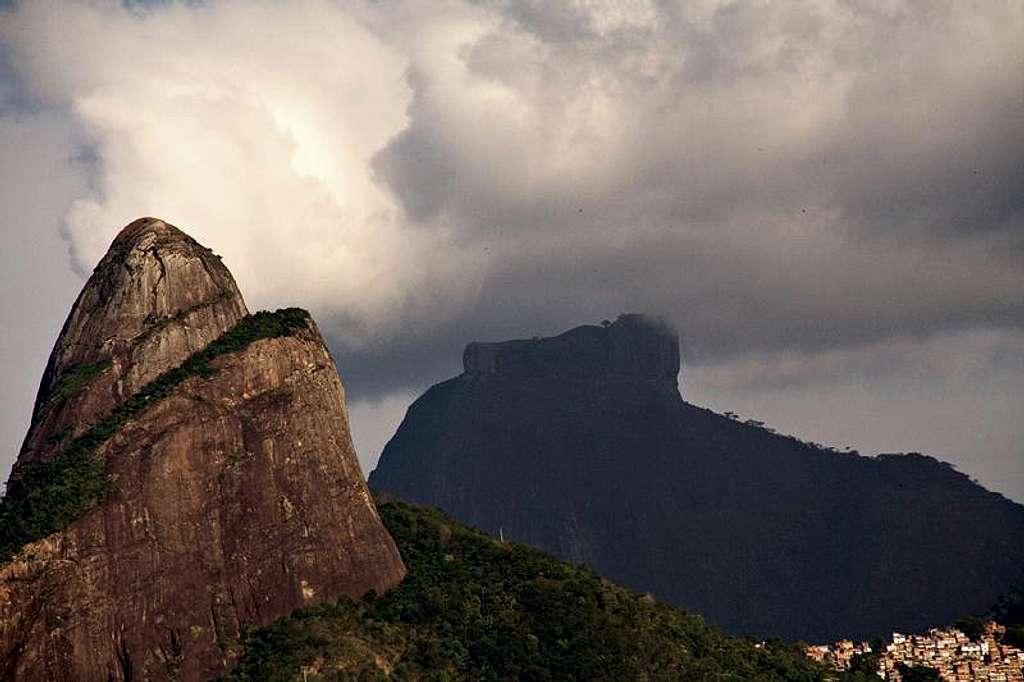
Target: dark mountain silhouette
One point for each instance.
(581, 445)
(188, 474)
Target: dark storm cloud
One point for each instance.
(778, 178)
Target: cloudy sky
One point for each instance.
(826, 198)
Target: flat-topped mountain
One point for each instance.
(188, 474)
(581, 445)
(634, 346)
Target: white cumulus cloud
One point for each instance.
(252, 126)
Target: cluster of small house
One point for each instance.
(839, 654)
(954, 655)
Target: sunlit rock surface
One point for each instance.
(238, 498)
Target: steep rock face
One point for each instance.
(761, 533)
(236, 498)
(156, 297)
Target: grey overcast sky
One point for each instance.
(826, 198)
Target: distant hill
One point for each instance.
(475, 608)
(582, 446)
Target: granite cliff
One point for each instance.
(581, 445)
(188, 473)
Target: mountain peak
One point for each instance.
(635, 346)
(153, 270)
(155, 298)
(147, 225)
(189, 473)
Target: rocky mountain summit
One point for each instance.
(581, 445)
(634, 347)
(188, 473)
(155, 298)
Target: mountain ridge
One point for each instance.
(762, 533)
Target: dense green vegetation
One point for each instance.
(472, 607)
(864, 666)
(46, 495)
(77, 377)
